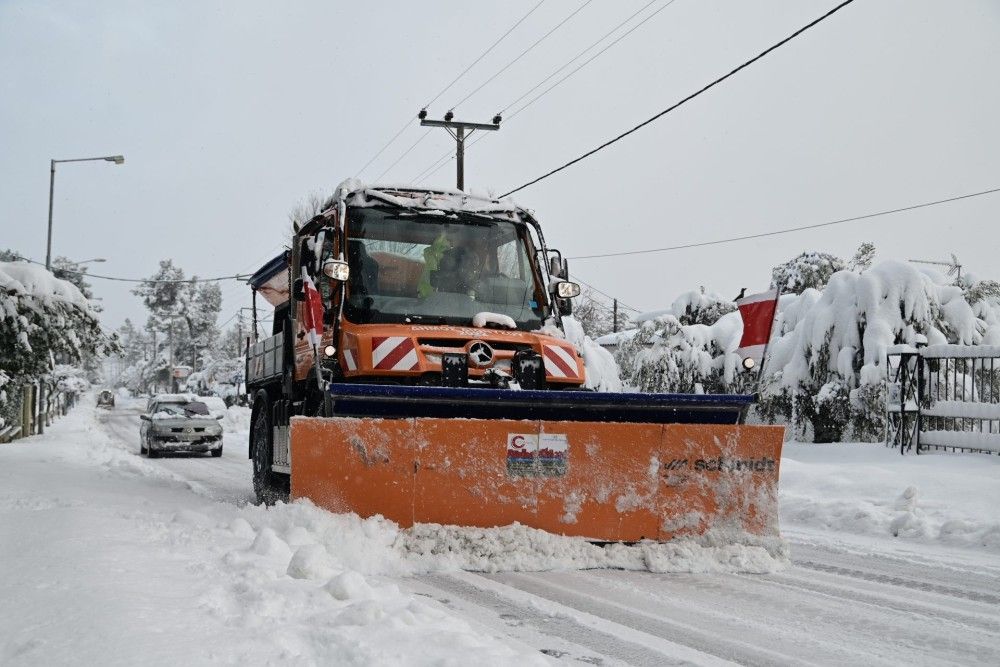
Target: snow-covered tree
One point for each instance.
(701, 307)
(831, 346)
(43, 320)
(810, 270)
(183, 310)
(66, 269)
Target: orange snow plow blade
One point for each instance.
(604, 481)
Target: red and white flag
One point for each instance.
(757, 311)
(313, 317)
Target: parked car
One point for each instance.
(179, 423)
(106, 399)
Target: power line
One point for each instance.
(581, 53)
(139, 280)
(523, 53)
(387, 144)
(436, 165)
(405, 153)
(683, 101)
(484, 54)
(791, 229)
(448, 87)
(577, 278)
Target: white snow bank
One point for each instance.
(117, 557)
(603, 373)
(855, 488)
(967, 409)
(959, 351)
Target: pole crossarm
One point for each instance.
(459, 131)
(455, 124)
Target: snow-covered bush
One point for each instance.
(42, 319)
(701, 307)
(825, 373)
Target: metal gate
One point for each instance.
(944, 397)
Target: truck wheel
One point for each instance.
(265, 483)
(217, 452)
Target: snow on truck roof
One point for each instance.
(448, 201)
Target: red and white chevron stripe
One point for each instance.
(350, 361)
(559, 362)
(394, 353)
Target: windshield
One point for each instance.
(440, 269)
(182, 409)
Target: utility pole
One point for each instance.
(615, 327)
(170, 349)
(457, 129)
(239, 331)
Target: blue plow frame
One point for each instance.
(401, 401)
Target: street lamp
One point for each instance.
(117, 159)
(96, 260)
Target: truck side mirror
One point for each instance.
(558, 267)
(298, 290)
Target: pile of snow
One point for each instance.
(237, 419)
(867, 489)
(603, 373)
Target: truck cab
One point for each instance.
(439, 288)
(411, 287)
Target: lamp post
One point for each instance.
(117, 159)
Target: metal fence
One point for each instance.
(944, 397)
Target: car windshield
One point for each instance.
(182, 409)
(440, 269)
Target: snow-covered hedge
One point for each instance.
(42, 319)
(826, 368)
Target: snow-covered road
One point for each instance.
(112, 558)
(829, 607)
(226, 479)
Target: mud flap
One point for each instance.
(602, 481)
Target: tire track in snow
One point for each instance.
(885, 597)
(667, 618)
(895, 580)
(533, 617)
(226, 479)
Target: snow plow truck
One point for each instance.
(419, 368)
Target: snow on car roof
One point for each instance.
(175, 398)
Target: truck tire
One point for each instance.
(266, 484)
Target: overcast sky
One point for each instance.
(228, 113)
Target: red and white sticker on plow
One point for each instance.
(394, 353)
(559, 362)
